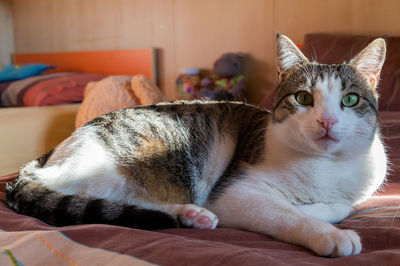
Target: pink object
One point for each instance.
(191, 214)
(203, 220)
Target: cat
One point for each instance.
(289, 173)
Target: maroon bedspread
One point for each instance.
(377, 222)
(390, 128)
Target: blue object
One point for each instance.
(16, 72)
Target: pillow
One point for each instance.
(15, 72)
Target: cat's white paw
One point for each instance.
(197, 217)
(337, 243)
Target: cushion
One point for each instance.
(16, 72)
(337, 48)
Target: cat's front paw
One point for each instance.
(337, 243)
(191, 215)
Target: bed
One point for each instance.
(25, 240)
(39, 111)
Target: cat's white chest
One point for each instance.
(323, 180)
(305, 179)
(309, 181)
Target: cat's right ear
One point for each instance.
(287, 55)
(370, 60)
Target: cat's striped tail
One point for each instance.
(30, 197)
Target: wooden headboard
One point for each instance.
(117, 62)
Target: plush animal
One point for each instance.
(228, 81)
(114, 93)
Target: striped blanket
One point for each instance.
(55, 248)
(46, 89)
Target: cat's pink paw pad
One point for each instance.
(197, 217)
(204, 220)
(191, 214)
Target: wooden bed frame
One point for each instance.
(28, 132)
(119, 62)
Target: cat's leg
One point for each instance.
(331, 213)
(190, 215)
(257, 208)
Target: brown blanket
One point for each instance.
(31, 241)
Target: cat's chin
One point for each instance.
(326, 144)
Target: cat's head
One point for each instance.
(327, 109)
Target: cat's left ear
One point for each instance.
(370, 60)
(287, 55)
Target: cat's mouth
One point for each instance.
(327, 137)
(326, 142)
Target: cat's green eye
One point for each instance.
(304, 98)
(350, 100)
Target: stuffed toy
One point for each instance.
(114, 93)
(228, 81)
(188, 83)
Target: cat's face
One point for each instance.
(327, 109)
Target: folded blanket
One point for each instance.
(47, 89)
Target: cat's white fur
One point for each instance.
(352, 131)
(77, 164)
(219, 158)
(303, 185)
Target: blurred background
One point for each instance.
(187, 33)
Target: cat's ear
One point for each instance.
(370, 60)
(287, 54)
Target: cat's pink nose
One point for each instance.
(327, 123)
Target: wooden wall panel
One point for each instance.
(6, 32)
(192, 33)
(206, 29)
(299, 17)
(376, 17)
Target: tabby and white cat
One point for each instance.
(289, 173)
